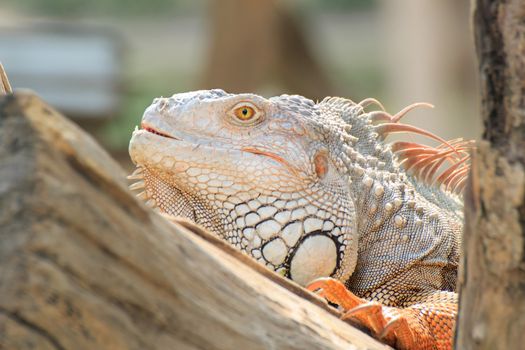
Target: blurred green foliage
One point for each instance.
(116, 8)
(120, 8)
(338, 5)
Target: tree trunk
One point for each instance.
(492, 278)
(85, 265)
(260, 46)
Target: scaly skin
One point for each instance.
(311, 191)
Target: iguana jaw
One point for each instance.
(180, 163)
(250, 149)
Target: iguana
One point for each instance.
(313, 191)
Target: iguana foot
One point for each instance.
(421, 326)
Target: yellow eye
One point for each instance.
(244, 112)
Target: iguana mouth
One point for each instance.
(152, 130)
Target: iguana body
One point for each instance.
(312, 190)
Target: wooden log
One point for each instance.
(85, 265)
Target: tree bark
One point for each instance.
(85, 265)
(492, 278)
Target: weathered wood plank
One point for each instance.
(84, 265)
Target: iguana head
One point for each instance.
(265, 174)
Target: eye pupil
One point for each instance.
(245, 113)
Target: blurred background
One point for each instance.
(101, 62)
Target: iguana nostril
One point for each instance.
(161, 104)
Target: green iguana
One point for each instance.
(312, 191)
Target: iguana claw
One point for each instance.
(422, 326)
(368, 315)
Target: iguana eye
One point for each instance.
(245, 112)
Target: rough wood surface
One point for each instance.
(492, 300)
(84, 265)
